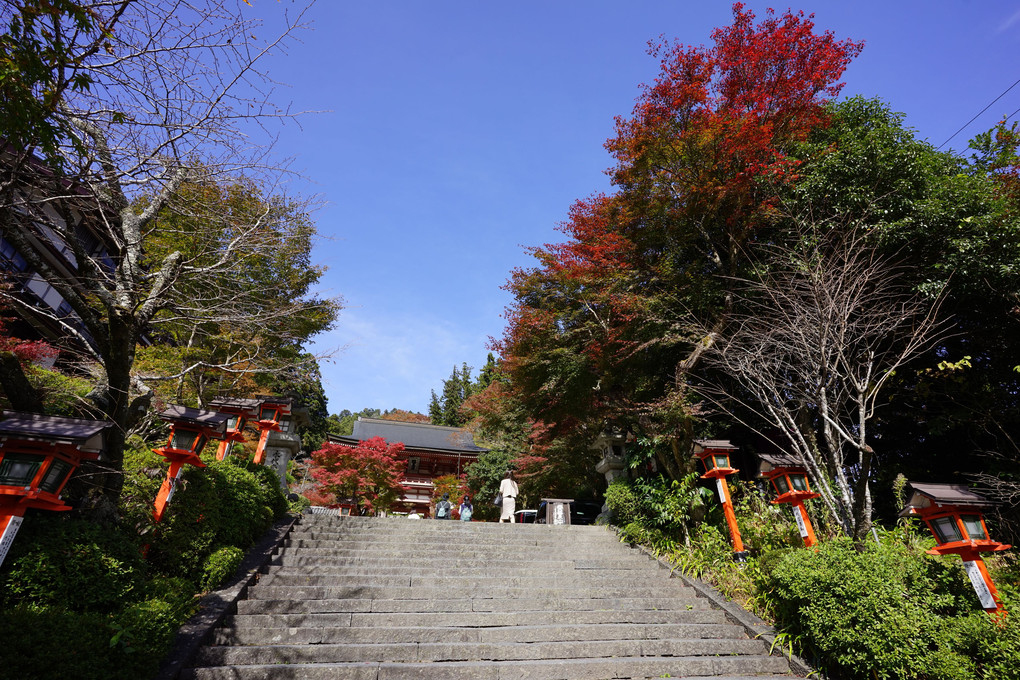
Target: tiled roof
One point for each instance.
(416, 436)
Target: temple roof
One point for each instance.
(415, 435)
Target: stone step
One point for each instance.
(391, 524)
(553, 569)
(635, 668)
(446, 545)
(457, 582)
(451, 606)
(474, 591)
(337, 557)
(479, 619)
(464, 534)
(434, 652)
(310, 635)
(447, 550)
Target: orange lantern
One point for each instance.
(37, 456)
(714, 454)
(271, 411)
(190, 430)
(240, 411)
(953, 515)
(789, 478)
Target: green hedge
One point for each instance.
(888, 612)
(79, 601)
(229, 503)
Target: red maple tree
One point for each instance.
(609, 322)
(720, 119)
(370, 473)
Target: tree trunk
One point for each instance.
(114, 401)
(862, 500)
(21, 395)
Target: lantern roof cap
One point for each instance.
(86, 434)
(929, 495)
(287, 401)
(238, 403)
(703, 445)
(771, 461)
(196, 416)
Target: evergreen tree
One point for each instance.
(453, 397)
(435, 409)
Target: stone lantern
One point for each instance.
(240, 411)
(190, 430)
(789, 478)
(38, 454)
(954, 516)
(612, 444)
(714, 455)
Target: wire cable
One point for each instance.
(979, 114)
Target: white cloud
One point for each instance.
(1009, 23)
(392, 359)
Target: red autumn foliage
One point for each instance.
(400, 415)
(370, 472)
(599, 323)
(26, 351)
(717, 119)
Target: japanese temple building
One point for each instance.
(430, 451)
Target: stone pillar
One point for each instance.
(277, 458)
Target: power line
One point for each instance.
(980, 112)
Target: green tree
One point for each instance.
(45, 52)
(225, 332)
(952, 225)
(167, 90)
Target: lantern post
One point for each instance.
(714, 454)
(954, 516)
(272, 410)
(190, 429)
(239, 412)
(38, 454)
(789, 478)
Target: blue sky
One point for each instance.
(451, 135)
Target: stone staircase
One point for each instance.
(391, 598)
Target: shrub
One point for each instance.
(667, 507)
(228, 503)
(55, 643)
(220, 566)
(622, 502)
(61, 394)
(297, 504)
(887, 612)
(73, 564)
(145, 630)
